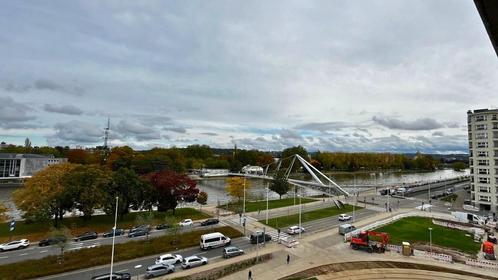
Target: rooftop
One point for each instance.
(19, 156)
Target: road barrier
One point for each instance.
(432, 255)
(482, 263)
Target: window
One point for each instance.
(495, 125)
(470, 136)
(481, 135)
(482, 153)
(494, 117)
(480, 118)
(484, 180)
(484, 189)
(483, 171)
(484, 198)
(482, 144)
(495, 134)
(483, 162)
(481, 127)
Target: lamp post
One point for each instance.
(267, 190)
(114, 235)
(430, 240)
(244, 202)
(354, 194)
(300, 210)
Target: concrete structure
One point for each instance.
(248, 169)
(489, 15)
(483, 158)
(19, 166)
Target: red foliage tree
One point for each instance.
(171, 188)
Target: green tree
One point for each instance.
(63, 234)
(129, 187)
(280, 184)
(458, 166)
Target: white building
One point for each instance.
(19, 166)
(248, 169)
(483, 158)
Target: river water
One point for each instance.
(215, 187)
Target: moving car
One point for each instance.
(344, 217)
(213, 240)
(14, 245)
(295, 230)
(345, 228)
(169, 259)
(162, 226)
(119, 232)
(138, 232)
(186, 223)
(209, 222)
(193, 261)
(86, 236)
(52, 241)
(158, 270)
(115, 276)
(232, 251)
(259, 237)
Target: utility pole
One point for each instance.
(114, 236)
(267, 190)
(244, 202)
(300, 211)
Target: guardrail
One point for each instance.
(482, 263)
(432, 255)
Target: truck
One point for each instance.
(468, 218)
(371, 241)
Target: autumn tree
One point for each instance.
(120, 157)
(202, 198)
(458, 166)
(280, 184)
(45, 195)
(235, 187)
(171, 188)
(3, 212)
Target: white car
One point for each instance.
(169, 259)
(344, 217)
(14, 245)
(295, 230)
(186, 222)
(193, 261)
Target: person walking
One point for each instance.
(288, 258)
(249, 275)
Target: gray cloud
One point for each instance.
(14, 114)
(77, 132)
(46, 84)
(323, 126)
(176, 129)
(210, 133)
(137, 130)
(64, 109)
(290, 134)
(418, 124)
(438, 133)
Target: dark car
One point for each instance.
(115, 276)
(259, 237)
(162, 226)
(52, 241)
(119, 232)
(138, 231)
(86, 236)
(210, 222)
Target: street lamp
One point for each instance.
(430, 240)
(267, 190)
(354, 194)
(114, 235)
(300, 210)
(244, 206)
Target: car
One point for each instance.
(138, 232)
(186, 223)
(344, 217)
(295, 230)
(162, 226)
(52, 240)
(158, 270)
(119, 232)
(209, 222)
(115, 276)
(259, 237)
(140, 227)
(232, 251)
(86, 236)
(169, 259)
(193, 261)
(14, 245)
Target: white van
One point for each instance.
(213, 240)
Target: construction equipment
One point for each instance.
(371, 241)
(488, 250)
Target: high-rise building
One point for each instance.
(483, 158)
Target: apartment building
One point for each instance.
(483, 158)
(19, 166)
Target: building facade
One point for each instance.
(19, 166)
(483, 158)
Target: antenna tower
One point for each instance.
(106, 133)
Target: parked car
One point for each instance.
(186, 223)
(14, 245)
(158, 270)
(162, 226)
(52, 241)
(345, 228)
(115, 276)
(344, 217)
(169, 259)
(193, 261)
(86, 236)
(119, 231)
(295, 230)
(232, 251)
(259, 237)
(209, 222)
(140, 227)
(138, 232)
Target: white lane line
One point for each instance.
(44, 251)
(75, 248)
(4, 257)
(122, 270)
(23, 254)
(202, 253)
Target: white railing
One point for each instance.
(481, 263)
(434, 256)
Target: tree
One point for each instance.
(458, 166)
(86, 184)
(280, 184)
(300, 150)
(171, 188)
(120, 157)
(45, 195)
(202, 198)
(63, 234)
(3, 212)
(235, 187)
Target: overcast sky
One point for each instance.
(330, 75)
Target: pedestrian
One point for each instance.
(249, 275)
(390, 210)
(259, 211)
(288, 258)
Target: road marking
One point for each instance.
(202, 253)
(4, 257)
(23, 254)
(122, 270)
(44, 251)
(75, 248)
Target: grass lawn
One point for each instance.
(101, 223)
(252, 206)
(285, 221)
(415, 230)
(102, 255)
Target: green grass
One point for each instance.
(252, 206)
(102, 255)
(416, 230)
(285, 221)
(450, 198)
(101, 223)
